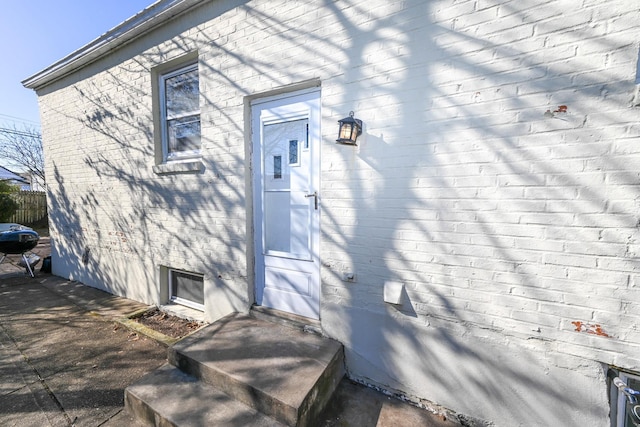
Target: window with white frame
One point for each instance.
(186, 289)
(621, 415)
(180, 113)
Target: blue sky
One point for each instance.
(36, 33)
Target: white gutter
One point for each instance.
(141, 23)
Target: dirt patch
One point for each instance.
(167, 324)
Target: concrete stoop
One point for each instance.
(241, 371)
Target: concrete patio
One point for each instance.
(65, 360)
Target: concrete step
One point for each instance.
(287, 319)
(280, 371)
(169, 397)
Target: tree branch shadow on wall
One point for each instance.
(470, 286)
(446, 274)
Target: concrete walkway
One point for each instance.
(65, 360)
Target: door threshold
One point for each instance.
(287, 319)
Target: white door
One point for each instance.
(286, 144)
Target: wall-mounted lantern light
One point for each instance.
(350, 129)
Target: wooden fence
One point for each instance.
(33, 207)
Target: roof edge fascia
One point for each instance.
(138, 25)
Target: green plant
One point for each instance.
(8, 205)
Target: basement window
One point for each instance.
(186, 289)
(621, 412)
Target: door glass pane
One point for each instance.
(286, 209)
(293, 152)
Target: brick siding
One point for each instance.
(497, 178)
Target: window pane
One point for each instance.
(282, 153)
(182, 94)
(287, 223)
(286, 207)
(184, 134)
(187, 286)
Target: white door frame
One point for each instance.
(299, 275)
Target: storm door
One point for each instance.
(286, 203)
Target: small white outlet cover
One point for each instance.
(393, 292)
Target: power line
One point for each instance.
(14, 118)
(17, 132)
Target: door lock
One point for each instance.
(315, 198)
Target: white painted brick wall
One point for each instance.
(506, 226)
(572, 188)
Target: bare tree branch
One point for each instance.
(23, 147)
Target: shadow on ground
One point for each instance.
(66, 361)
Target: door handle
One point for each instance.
(315, 198)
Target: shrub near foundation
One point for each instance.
(8, 206)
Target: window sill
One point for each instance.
(173, 168)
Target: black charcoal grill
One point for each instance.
(16, 239)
